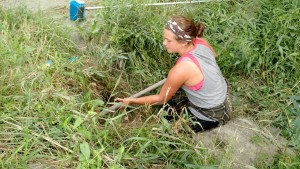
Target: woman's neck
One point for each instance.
(186, 48)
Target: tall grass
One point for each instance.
(257, 39)
(49, 105)
(138, 34)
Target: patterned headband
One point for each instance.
(175, 28)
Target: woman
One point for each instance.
(196, 72)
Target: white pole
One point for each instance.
(153, 4)
(148, 89)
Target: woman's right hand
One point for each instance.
(125, 101)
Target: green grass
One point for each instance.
(49, 113)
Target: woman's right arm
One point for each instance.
(176, 78)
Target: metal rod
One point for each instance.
(152, 4)
(148, 89)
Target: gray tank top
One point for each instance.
(214, 88)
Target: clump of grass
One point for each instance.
(36, 97)
(49, 113)
(138, 34)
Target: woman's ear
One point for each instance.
(184, 43)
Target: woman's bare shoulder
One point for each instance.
(183, 68)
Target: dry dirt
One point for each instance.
(242, 143)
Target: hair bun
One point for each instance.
(200, 29)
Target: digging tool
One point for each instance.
(77, 7)
(148, 89)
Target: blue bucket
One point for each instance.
(76, 10)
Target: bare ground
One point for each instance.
(242, 143)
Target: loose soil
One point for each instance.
(242, 143)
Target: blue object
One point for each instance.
(76, 10)
(73, 59)
(49, 63)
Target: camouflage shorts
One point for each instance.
(219, 113)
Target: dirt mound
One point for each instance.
(243, 144)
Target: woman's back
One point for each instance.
(214, 87)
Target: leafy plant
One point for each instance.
(296, 121)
